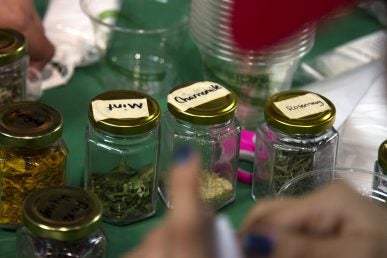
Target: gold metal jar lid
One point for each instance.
(382, 156)
(29, 124)
(63, 213)
(214, 111)
(12, 46)
(126, 126)
(309, 124)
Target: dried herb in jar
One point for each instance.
(24, 172)
(13, 66)
(215, 189)
(124, 192)
(289, 164)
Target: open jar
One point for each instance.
(61, 222)
(32, 155)
(202, 116)
(13, 66)
(122, 154)
(298, 136)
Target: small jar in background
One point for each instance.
(32, 155)
(298, 136)
(202, 117)
(381, 168)
(61, 222)
(122, 154)
(13, 66)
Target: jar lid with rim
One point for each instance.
(63, 213)
(124, 112)
(382, 156)
(202, 103)
(12, 46)
(299, 112)
(29, 124)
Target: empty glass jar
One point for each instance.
(13, 66)
(202, 117)
(298, 136)
(61, 222)
(32, 155)
(122, 154)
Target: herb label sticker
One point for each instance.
(119, 109)
(196, 94)
(302, 106)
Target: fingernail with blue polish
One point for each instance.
(255, 244)
(182, 154)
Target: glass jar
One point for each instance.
(202, 116)
(61, 222)
(381, 168)
(122, 154)
(32, 155)
(298, 136)
(13, 66)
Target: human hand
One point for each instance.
(188, 229)
(22, 16)
(334, 222)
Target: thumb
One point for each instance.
(189, 223)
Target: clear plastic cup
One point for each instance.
(252, 75)
(138, 42)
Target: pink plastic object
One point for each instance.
(258, 24)
(246, 152)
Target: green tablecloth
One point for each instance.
(72, 101)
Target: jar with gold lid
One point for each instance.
(298, 136)
(32, 155)
(381, 168)
(13, 66)
(61, 222)
(201, 116)
(122, 154)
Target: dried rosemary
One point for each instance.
(288, 164)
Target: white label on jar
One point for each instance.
(196, 94)
(119, 109)
(302, 106)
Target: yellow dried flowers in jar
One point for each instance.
(32, 155)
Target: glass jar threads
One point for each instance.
(202, 116)
(122, 154)
(13, 66)
(32, 155)
(298, 136)
(61, 222)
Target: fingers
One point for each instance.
(189, 223)
(22, 16)
(296, 245)
(40, 49)
(154, 245)
(322, 212)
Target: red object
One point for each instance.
(257, 24)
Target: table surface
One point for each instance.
(72, 101)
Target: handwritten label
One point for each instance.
(196, 94)
(119, 109)
(302, 106)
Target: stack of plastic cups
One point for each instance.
(252, 75)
